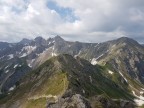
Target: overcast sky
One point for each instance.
(82, 20)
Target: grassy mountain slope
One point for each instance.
(57, 76)
(126, 58)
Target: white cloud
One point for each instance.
(97, 20)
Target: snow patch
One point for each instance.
(140, 99)
(124, 44)
(44, 51)
(53, 53)
(78, 54)
(51, 42)
(28, 50)
(123, 76)
(6, 67)
(93, 61)
(99, 56)
(15, 65)
(30, 64)
(6, 71)
(24, 54)
(96, 45)
(141, 92)
(19, 65)
(12, 88)
(110, 72)
(10, 56)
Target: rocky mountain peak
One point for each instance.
(126, 40)
(25, 41)
(3, 45)
(40, 40)
(58, 38)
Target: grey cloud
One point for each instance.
(98, 20)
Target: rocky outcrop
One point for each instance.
(78, 101)
(105, 102)
(75, 101)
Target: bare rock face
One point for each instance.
(76, 101)
(102, 101)
(126, 104)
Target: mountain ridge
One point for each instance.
(78, 77)
(120, 62)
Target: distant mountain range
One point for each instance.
(56, 73)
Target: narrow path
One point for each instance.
(43, 96)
